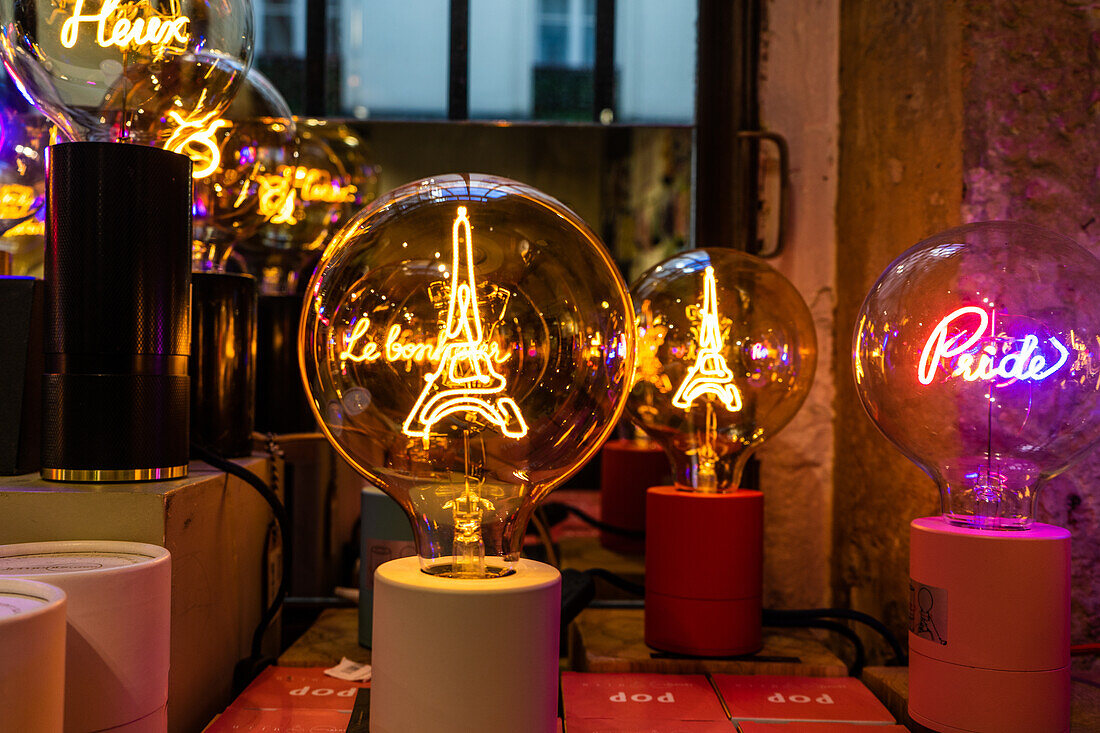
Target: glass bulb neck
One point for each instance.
(469, 547)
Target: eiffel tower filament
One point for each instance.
(466, 380)
(709, 375)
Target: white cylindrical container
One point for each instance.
(989, 628)
(454, 655)
(32, 657)
(117, 640)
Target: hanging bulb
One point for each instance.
(977, 354)
(726, 356)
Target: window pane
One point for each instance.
(393, 58)
(281, 47)
(655, 60)
(277, 32)
(553, 44)
(534, 59)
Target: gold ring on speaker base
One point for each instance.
(114, 475)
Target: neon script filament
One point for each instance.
(131, 27)
(975, 355)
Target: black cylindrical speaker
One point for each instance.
(118, 276)
(223, 362)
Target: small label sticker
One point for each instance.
(928, 612)
(350, 671)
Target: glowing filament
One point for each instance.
(280, 192)
(132, 27)
(709, 375)
(1027, 364)
(466, 376)
(199, 144)
(277, 198)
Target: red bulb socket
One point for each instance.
(704, 571)
(627, 469)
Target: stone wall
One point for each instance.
(900, 179)
(1031, 152)
(798, 99)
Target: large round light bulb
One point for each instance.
(466, 343)
(726, 356)
(977, 353)
(232, 159)
(127, 69)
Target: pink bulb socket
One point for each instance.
(989, 627)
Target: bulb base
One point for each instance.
(704, 571)
(463, 655)
(989, 627)
(627, 470)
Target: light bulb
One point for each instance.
(303, 201)
(466, 344)
(127, 69)
(726, 356)
(24, 136)
(232, 156)
(356, 156)
(977, 354)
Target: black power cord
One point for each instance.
(248, 668)
(813, 618)
(900, 658)
(555, 511)
(835, 626)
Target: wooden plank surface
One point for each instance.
(334, 635)
(611, 640)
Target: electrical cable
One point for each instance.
(618, 581)
(835, 626)
(816, 618)
(544, 536)
(283, 524)
(634, 534)
(900, 658)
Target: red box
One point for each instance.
(825, 699)
(580, 725)
(612, 698)
(752, 726)
(243, 720)
(297, 688)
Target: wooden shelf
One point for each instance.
(611, 640)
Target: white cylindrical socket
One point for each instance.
(989, 628)
(32, 657)
(117, 639)
(456, 655)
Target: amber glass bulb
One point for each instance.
(357, 157)
(726, 356)
(127, 69)
(304, 201)
(467, 345)
(232, 157)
